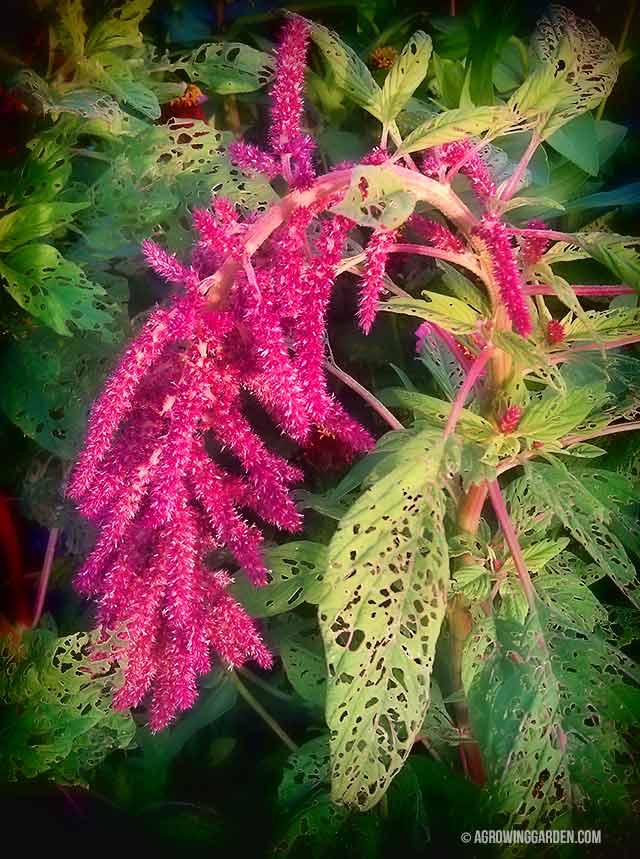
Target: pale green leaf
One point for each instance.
(443, 310)
(452, 125)
(34, 221)
(348, 72)
(119, 28)
(376, 198)
(555, 415)
(388, 570)
(405, 76)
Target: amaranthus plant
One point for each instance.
(469, 536)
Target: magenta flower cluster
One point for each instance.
(290, 149)
(173, 472)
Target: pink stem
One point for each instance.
(465, 389)
(513, 543)
(45, 575)
(588, 289)
(453, 346)
(554, 235)
(465, 260)
(366, 395)
(559, 357)
(514, 181)
(612, 430)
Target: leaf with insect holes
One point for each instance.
(55, 290)
(376, 198)
(555, 415)
(585, 62)
(347, 70)
(300, 649)
(587, 520)
(296, 573)
(388, 570)
(227, 67)
(405, 76)
(452, 125)
(119, 28)
(564, 702)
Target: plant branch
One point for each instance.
(366, 395)
(631, 426)
(595, 290)
(512, 541)
(45, 575)
(465, 389)
(513, 183)
(264, 715)
(559, 357)
(554, 235)
(466, 260)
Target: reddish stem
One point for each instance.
(45, 575)
(554, 235)
(559, 357)
(466, 260)
(587, 289)
(465, 389)
(366, 395)
(612, 430)
(512, 541)
(514, 180)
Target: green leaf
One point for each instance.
(376, 198)
(451, 125)
(49, 383)
(579, 58)
(388, 570)
(615, 252)
(405, 76)
(578, 142)
(555, 415)
(469, 426)
(57, 721)
(55, 290)
(583, 451)
(463, 289)
(306, 770)
(120, 27)
(34, 221)
(44, 173)
(626, 195)
(563, 701)
(604, 325)
(228, 67)
(528, 356)
(348, 72)
(296, 575)
(449, 80)
(443, 310)
(300, 649)
(588, 522)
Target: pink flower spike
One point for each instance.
(372, 283)
(534, 247)
(510, 419)
(506, 274)
(287, 91)
(252, 159)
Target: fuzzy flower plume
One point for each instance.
(534, 247)
(506, 274)
(290, 150)
(372, 283)
(463, 156)
(509, 420)
(555, 332)
(152, 476)
(436, 234)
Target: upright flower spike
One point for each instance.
(436, 234)
(510, 419)
(505, 272)
(372, 281)
(290, 148)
